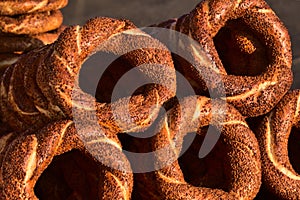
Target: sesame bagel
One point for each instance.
(257, 94)
(13, 7)
(49, 77)
(250, 48)
(242, 166)
(31, 23)
(27, 157)
(273, 135)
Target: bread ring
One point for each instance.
(8, 111)
(250, 48)
(243, 152)
(273, 135)
(28, 156)
(48, 76)
(32, 23)
(12, 7)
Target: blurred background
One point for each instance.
(147, 12)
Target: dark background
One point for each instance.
(147, 12)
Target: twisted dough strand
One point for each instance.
(26, 157)
(255, 94)
(243, 154)
(48, 77)
(31, 24)
(273, 136)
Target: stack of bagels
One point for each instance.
(26, 25)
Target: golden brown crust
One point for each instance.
(273, 134)
(13, 107)
(244, 167)
(31, 105)
(49, 75)
(31, 23)
(27, 156)
(251, 95)
(13, 7)
(263, 45)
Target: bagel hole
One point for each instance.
(294, 149)
(208, 171)
(240, 49)
(108, 77)
(72, 175)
